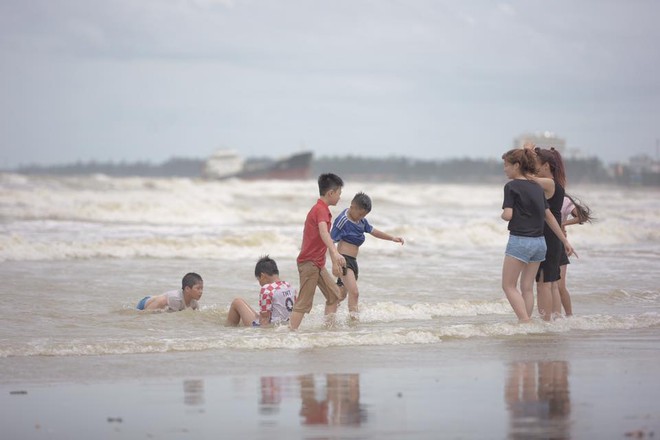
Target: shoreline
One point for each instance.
(531, 387)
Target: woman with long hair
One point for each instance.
(580, 214)
(526, 209)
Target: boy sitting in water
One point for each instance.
(276, 299)
(348, 232)
(191, 290)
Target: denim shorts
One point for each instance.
(526, 249)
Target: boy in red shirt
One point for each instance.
(311, 260)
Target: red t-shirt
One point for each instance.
(313, 249)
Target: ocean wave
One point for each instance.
(391, 311)
(281, 338)
(83, 217)
(621, 296)
(94, 243)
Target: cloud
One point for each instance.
(150, 79)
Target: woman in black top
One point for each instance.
(526, 210)
(550, 174)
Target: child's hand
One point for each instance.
(398, 240)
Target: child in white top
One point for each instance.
(191, 291)
(276, 299)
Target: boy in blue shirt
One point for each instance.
(348, 232)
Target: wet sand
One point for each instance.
(599, 386)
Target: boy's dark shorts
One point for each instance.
(352, 264)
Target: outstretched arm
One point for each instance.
(385, 236)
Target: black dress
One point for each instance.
(550, 267)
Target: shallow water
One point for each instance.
(78, 253)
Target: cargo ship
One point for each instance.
(227, 164)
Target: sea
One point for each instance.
(77, 253)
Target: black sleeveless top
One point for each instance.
(555, 202)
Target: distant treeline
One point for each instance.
(590, 170)
(176, 167)
(453, 170)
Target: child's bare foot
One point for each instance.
(329, 321)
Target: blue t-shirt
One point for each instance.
(351, 232)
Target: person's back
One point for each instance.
(176, 301)
(277, 298)
(527, 200)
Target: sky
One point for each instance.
(148, 80)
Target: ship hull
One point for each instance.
(295, 167)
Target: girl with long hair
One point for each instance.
(550, 174)
(526, 209)
(580, 214)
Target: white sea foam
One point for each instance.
(55, 218)
(269, 339)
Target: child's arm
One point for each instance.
(338, 261)
(384, 236)
(264, 318)
(571, 221)
(265, 313)
(157, 303)
(554, 225)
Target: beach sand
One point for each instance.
(601, 385)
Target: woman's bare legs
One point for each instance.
(527, 285)
(564, 295)
(556, 300)
(544, 298)
(523, 301)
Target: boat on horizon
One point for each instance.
(227, 164)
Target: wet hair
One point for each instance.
(328, 182)
(266, 265)
(362, 201)
(190, 279)
(584, 213)
(522, 156)
(552, 157)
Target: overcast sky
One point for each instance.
(153, 79)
